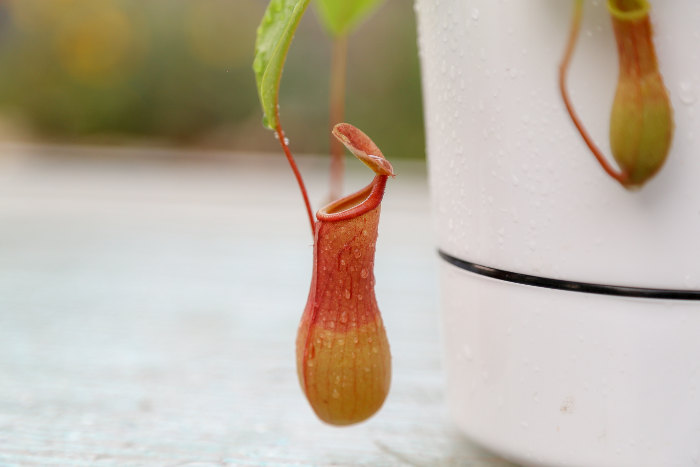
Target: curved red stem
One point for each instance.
(295, 169)
(563, 69)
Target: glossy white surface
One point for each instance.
(514, 185)
(549, 377)
(570, 379)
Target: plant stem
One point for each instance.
(563, 69)
(337, 112)
(295, 169)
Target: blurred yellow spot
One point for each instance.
(93, 43)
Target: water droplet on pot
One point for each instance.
(686, 93)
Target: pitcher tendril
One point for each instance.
(563, 71)
(292, 163)
(641, 120)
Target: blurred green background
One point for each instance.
(178, 73)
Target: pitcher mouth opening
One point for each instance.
(355, 204)
(571, 286)
(628, 10)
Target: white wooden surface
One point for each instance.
(149, 303)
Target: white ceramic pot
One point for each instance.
(562, 375)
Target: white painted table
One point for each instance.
(148, 309)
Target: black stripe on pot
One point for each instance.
(571, 286)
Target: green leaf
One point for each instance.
(275, 34)
(341, 16)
